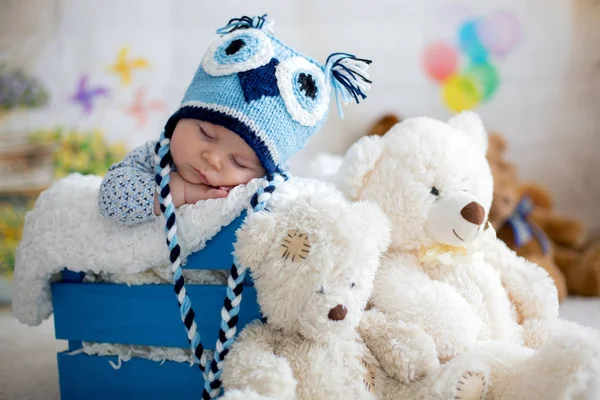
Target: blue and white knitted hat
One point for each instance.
(272, 96)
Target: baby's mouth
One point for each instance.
(204, 181)
(201, 176)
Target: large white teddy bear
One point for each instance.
(313, 260)
(445, 271)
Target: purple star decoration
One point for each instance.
(85, 95)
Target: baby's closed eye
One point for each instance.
(239, 163)
(206, 134)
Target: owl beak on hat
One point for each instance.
(260, 81)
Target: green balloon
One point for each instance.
(486, 77)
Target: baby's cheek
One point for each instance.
(235, 177)
(253, 174)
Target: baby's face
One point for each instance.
(212, 155)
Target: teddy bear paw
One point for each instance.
(471, 386)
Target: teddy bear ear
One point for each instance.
(358, 162)
(375, 224)
(471, 124)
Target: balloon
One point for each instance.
(469, 43)
(500, 32)
(486, 78)
(460, 93)
(440, 61)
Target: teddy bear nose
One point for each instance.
(338, 313)
(474, 213)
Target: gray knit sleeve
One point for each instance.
(127, 191)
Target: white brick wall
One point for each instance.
(547, 104)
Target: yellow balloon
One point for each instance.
(461, 93)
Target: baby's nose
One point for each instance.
(212, 160)
(338, 313)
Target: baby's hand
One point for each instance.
(197, 192)
(184, 192)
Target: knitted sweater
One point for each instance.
(127, 191)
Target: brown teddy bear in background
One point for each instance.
(383, 124)
(523, 217)
(579, 262)
(510, 215)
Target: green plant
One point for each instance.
(12, 219)
(83, 152)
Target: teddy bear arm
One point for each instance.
(529, 286)
(253, 364)
(404, 351)
(405, 292)
(451, 321)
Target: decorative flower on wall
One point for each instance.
(141, 107)
(125, 66)
(86, 95)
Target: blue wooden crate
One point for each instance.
(141, 315)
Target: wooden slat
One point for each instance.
(92, 377)
(143, 315)
(218, 251)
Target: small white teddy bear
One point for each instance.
(445, 272)
(313, 260)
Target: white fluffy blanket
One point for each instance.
(65, 230)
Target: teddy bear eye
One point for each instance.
(435, 191)
(352, 284)
(321, 290)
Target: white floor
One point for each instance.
(28, 360)
(28, 355)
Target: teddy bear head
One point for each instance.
(431, 178)
(313, 260)
(506, 181)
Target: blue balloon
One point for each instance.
(469, 43)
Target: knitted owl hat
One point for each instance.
(272, 96)
(275, 99)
